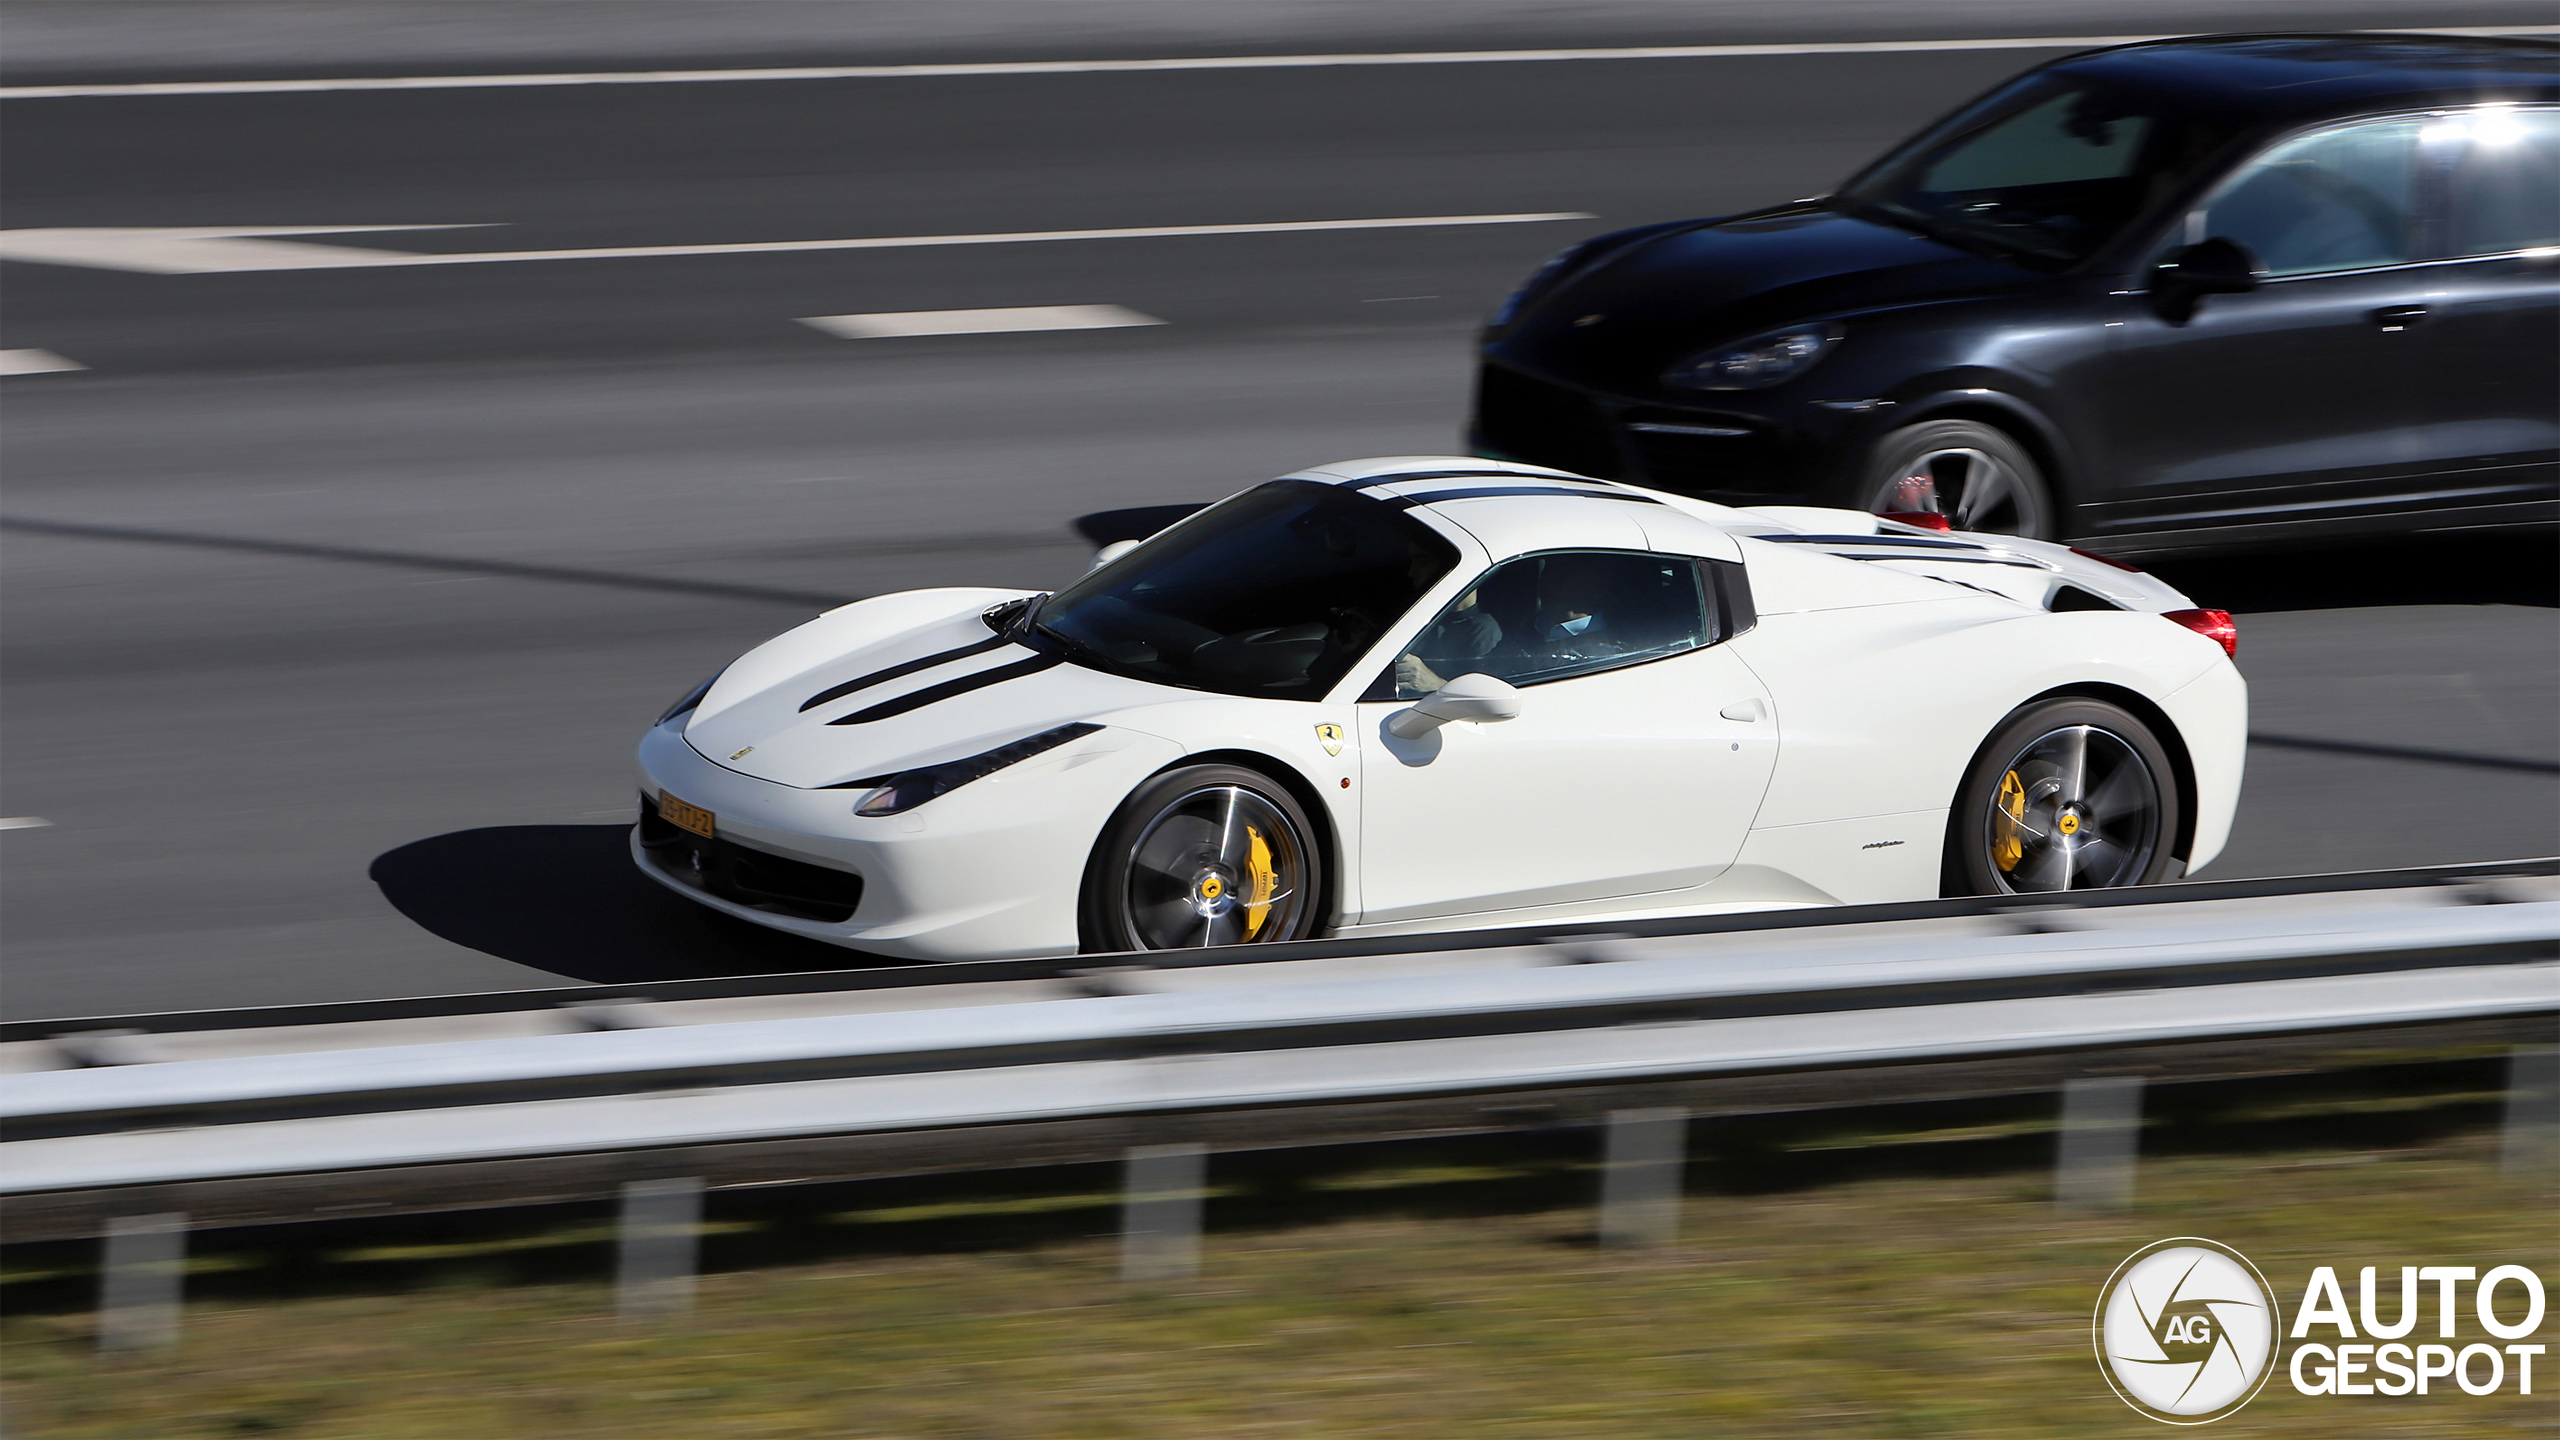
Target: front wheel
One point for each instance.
(2066, 795)
(1976, 476)
(1204, 855)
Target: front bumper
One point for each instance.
(1742, 450)
(992, 870)
(755, 879)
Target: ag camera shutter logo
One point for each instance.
(2185, 1331)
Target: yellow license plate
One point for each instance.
(683, 816)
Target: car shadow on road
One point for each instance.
(2504, 568)
(567, 899)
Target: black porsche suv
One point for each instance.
(2196, 291)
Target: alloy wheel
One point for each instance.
(1219, 865)
(2078, 809)
(1975, 489)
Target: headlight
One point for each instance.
(1756, 363)
(693, 696)
(908, 789)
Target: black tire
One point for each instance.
(1178, 865)
(2027, 820)
(1975, 475)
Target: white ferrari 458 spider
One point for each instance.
(1404, 695)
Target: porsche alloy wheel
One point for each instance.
(2068, 795)
(1209, 855)
(1977, 477)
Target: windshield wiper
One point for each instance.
(1076, 649)
(1953, 236)
(1006, 619)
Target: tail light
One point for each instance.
(2111, 560)
(2214, 625)
(1917, 519)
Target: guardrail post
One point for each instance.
(1640, 1177)
(140, 1281)
(2101, 1134)
(2531, 1153)
(661, 1229)
(1160, 1212)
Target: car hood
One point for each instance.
(1619, 324)
(759, 719)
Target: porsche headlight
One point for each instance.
(1756, 363)
(693, 696)
(904, 791)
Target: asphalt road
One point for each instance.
(334, 599)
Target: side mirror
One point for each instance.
(1473, 697)
(2209, 267)
(1111, 552)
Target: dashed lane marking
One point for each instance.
(24, 822)
(1105, 67)
(201, 251)
(198, 249)
(35, 362)
(893, 324)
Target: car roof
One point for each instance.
(2313, 77)
(1513, 509)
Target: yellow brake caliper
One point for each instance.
(1261, 880)
(2007, 846)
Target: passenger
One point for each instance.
(1464, 632)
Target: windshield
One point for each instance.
(2046, 170)
(1275, 592)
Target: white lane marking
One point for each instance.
(895, 323)
(198, 249)
(1105, 67)
(35, 362)
(194, 251)
(24, 822)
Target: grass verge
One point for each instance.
(1888, 1274)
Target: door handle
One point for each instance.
(1746, 711)
(2397, 317)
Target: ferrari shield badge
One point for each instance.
(1330, 736)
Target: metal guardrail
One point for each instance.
(900, 976)
(1499, 1037)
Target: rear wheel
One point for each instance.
(2067, 795)
(1976, 476)
(1204, 855)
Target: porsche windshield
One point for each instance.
(1275, 592)
(2046, 170)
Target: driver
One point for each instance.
(1577, 601)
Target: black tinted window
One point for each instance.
(2502, 191)
(2342, 199)
(1274, 592)
(2049, 168)
(1550, 617)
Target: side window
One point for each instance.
(2502, 180)
(2342, 199)
(1551, 617)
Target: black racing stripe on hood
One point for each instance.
(978, 680)
(1483, 492)
(882, 677)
